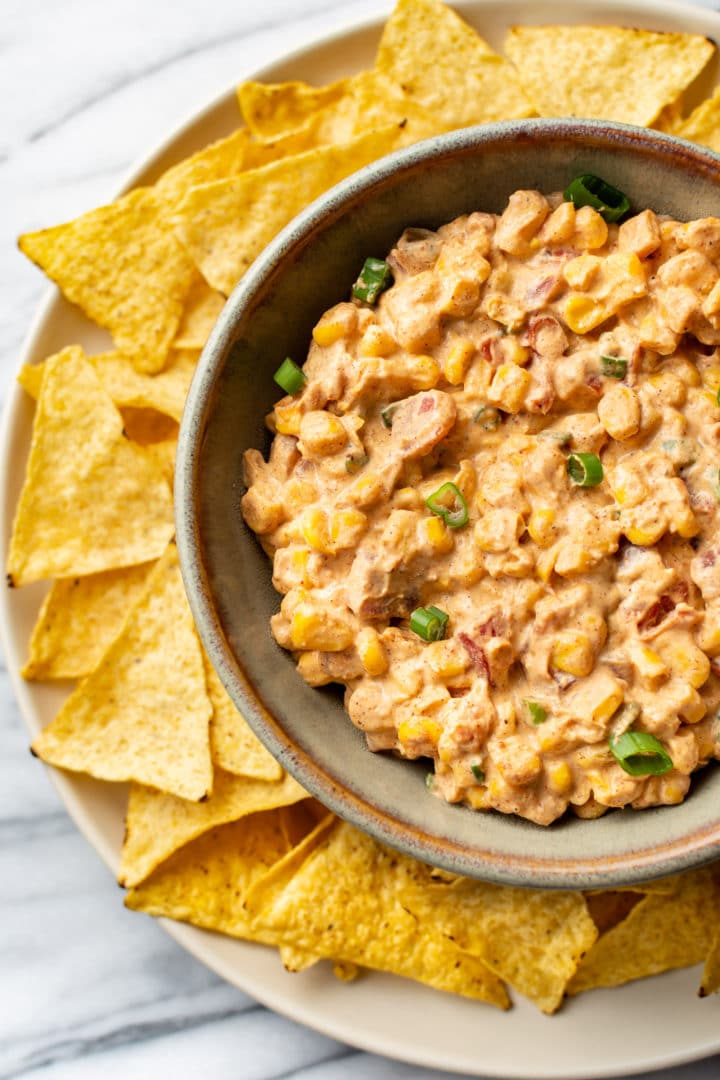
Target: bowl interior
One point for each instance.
(308, 268)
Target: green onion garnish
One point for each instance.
(538, 714)
(613, 367)
(488, 417)
(290, 377)
(355, 462)
(429, 623)
(448, 503)
(589, 190)
(562, 438)
(375, 277)
(640, 754)
(386, 415)
(478, 772)
(585, 470)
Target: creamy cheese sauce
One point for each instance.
(506, 344)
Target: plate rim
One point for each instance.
(190, 937)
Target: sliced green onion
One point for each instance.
(478, 772)
(640, 754)
(538, 714)
(429, 623)
(429, 780)
(589, 190)
(375, 277)
(682, 451)
(355, 462)
(613, 367)
(448, 503)
(488, 417)
(562, 438)
(290, 377)
(585, 470)
(386, 415)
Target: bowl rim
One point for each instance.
(702, 844)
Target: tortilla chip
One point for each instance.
(79, 619)
(530, 939)
(158, 824)
(206, 881)
(607, 909)
(703, 125)
(605, 72)
(445, 66)
(128, 387)
(225, 225)
(711, 974)
(122, 264)
(143, 714)
(202, 307)
(225, 157)
(163, 453)
(235, 747)
(272, 110)
(339, 895)
(659, 934)
(91, 500)
(148, 426)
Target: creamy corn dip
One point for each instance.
(492, 506)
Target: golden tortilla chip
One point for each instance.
(146, 427)
(711, 973)
(225, 225)
(530, 939)
(605, 72)
(157, 824)
(272, 110)
(128, 387)
(202, 308)
(339, 895)
(703, 124)
(143, 714)
(445, 66)
(91, 500)
(80, 618)
(235, 747)
(607, 909)
(163, 453)
(659, 934)
(225, 157)
(123, 265)
(205, 882)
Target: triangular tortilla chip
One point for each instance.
(144, 713)
(202, 307)
(79, 619)
(605, 72)
(206, 881)
(225, 225)
(659, 934)
(158, 824)
(444, 65)
(225, 157)
(91, 500)
(711, 974)
(340, 895)
(122, 264)
(703, 124)
(235, 747)
(272, 110)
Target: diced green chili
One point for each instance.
(478, 772)
(613, 367)
(355, 462)
(640, 754)
(375, 277)
(448, 503)
(290, 377)
(562, 438)
(589, 190)
(386, 414)
(585, 470)
(538, 714)
(488, 417)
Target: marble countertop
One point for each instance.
(86, 987)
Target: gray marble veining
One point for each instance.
(88, 989)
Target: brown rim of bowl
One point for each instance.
(697, 848)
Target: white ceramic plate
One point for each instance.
(644, 1026)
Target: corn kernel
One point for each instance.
(419, 729)
(540, 526)
(513, 352)
(446, 659)
(608, 703)
(288, 419)
(461, 297)
(376, 341)
(312, 629)
(582, 271)
(504, 311)
(322, 433)
(685, 523)
(371, 652)
(367, 490)
(478, 798)
(591, 229)
(314, 525)
(458, 361)
(438, 535)
(407, 498)
(346, 528)
(559, 227)
(709, 636)
(545, 563)
(559, 778)
(692, 708)
(497, 530)
(422, 371)
(711, 305)
(684, 658)
(327, 332)
(583, 314)
(674, 791)
(509, 387)
(619, 412)
(645, 537)
(649, 666)
(711, 380)
(573, 654)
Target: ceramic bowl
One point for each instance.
(309, 267)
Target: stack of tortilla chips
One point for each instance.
(216, 833)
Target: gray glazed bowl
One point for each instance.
(309, 267)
